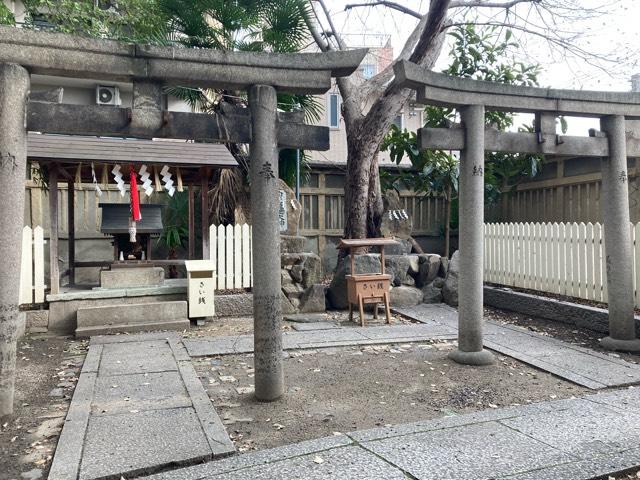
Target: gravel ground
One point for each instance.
(355, 388)
(48, 369)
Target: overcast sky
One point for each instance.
(615, 35)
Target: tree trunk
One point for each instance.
(375, 207)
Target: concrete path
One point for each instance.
(579, 365)
(570, 439)
(433, 328)
(138, 407)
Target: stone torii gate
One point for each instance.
(472, 98)
(150, 69)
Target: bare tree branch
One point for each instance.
(484, 3)
(385, 3)
(333, 28)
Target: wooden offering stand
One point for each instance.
(370, 287)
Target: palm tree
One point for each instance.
(240, 25)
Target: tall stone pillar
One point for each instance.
(267, 310)
(617, 234)
(14, 90)
(471, 242)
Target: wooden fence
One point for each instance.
(230, 249)
(564, 258)
(32, 266)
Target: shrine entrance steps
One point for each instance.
(109, 319)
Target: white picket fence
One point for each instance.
(563, 258)
(32, 266)
(230, 249)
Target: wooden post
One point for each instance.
(54, 271)
(192, 224)
(71, 229)
(204, 198)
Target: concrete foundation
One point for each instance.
(470, 321)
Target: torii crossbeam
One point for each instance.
(472, 98)
(150, 69)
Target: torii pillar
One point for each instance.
(267, 308)
(617, 233)
(471, 242)
(14, 90)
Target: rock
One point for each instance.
(311, 270)
(306, 318)
(290, 259)
(295, 302)
(401, 268)
(450, 288)
(402, 247)
(292, 244)
(431, 294)
(438, 282)
(405, 296)
(56, 392)
(294, 290)
(49, 428)
(287, 307)
(314, 299)
(444, 267)
(34, 474)
(296, 273)
(395, 220)
(428, 270)
(285, 277)
(337, 295)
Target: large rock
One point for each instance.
(401, 247)
(405, 296)
(396, 222)
(337, 295)
(287, 307)
(428, 269)
(431, 294)
(450, 288)
(292, 244)
(314, 299)
(311, 270)
(402, 268)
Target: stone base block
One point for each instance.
(132, 318)
(621, 345)
(132, 277)
(483, 357)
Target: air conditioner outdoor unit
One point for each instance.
(107, 95)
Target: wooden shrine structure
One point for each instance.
(363, 288)
(472, 138)
(150, 69)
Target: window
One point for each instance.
(334, 110)
(368, 70)
(399, 121)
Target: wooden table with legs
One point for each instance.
(367, 287)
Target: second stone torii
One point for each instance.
(472, 98)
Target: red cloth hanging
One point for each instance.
(135, 198)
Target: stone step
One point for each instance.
(132, 318)
(175, 325)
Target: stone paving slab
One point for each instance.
(580, 365)
(324, 338)
(557, 440)
(308, 326)
(138, 407)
